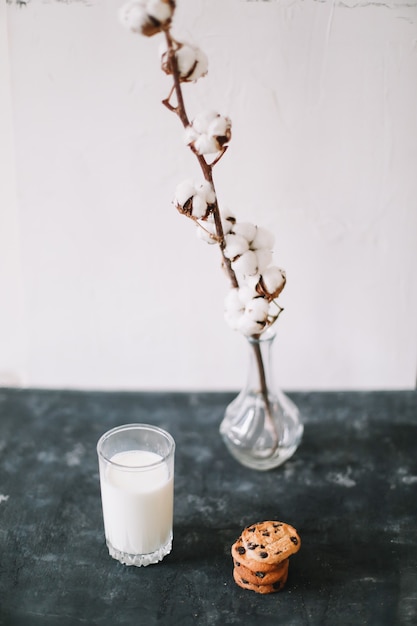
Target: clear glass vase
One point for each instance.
(261, 426)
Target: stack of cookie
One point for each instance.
(260, 556)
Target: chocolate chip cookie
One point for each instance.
(261, 556)
(269, 577)
(270, 542)
(264, 589)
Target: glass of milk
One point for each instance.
(136, 464)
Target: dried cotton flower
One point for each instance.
(245, 229)
(207, 230)
(194, 200)
(263, 258)
(257, 309)
(263, 239)
(146, 17)
(192, 62)
(246, 264)
(208, 133)
(246, 248)
(272, 282)
(236, 245)
(246, 311)
(184, 192)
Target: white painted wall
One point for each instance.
(104, 285)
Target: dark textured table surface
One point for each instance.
(350, 490)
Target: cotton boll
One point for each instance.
(246, 294)
(202, 62)
(146, 16)
(199, 207)
(184, 192)
(190, 135)
(206, 191)
(204, 197)
(249, 327)
(185, 56)
(208, 133)
(255, 317)
(219, 126)
(252, 281)
(227, 214)
(264, 258)
(233, 308)
(205, 233)
(257, 309)
(233, 302)
(205, 144)
(200, 65)
(251, 317)
(263, 239)
(206, 230)
(202, 121)
(192, 63)
(245, 229)
(235, 246)
(132, 15)
(192, 199)
(233, 319)
(228, 220)
(273, 281)
(160, 10)
(246, 264)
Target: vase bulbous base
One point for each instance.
(261, 437)
(261, 427)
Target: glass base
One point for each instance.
(270, 461)
(140, 560)
(248, 438)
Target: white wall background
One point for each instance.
(104, 285)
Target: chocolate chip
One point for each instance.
(262, 547)
(263, 555)
(244, 581)
(277, 525)
(265, 533)
(252, 546)
(294, 540)
(276, 585)
(237, 564)
(278, 552)
(252, 530)
(241, 550)
(260, 574)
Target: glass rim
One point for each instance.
(136, 426)
(264, 337)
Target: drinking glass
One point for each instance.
(136, 463)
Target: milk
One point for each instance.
(137, 502)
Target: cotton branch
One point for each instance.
(207, 168)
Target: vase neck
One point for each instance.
(260, 373)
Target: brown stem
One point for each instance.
(207, 169)
(264, 391)
(180, 109)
